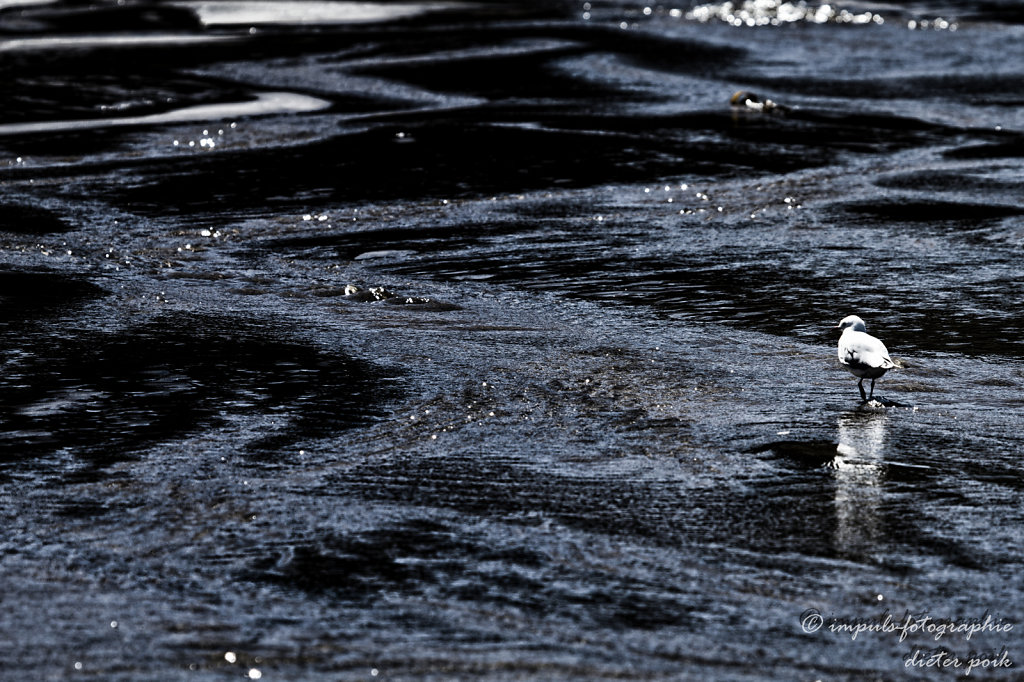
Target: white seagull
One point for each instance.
(862, 354)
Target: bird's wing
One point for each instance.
(863, 350)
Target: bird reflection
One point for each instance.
(859, 469)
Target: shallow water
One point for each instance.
(447, 341)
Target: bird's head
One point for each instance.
(852, 321)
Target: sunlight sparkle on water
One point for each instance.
(753, 13)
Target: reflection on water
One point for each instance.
(252, 13)
(91, 42)
(859, 469)
(862, 435)
(264, 104)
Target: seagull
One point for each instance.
(862, 354)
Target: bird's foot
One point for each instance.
(881, 402)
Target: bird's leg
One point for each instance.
(872, 389)
(860, 385)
